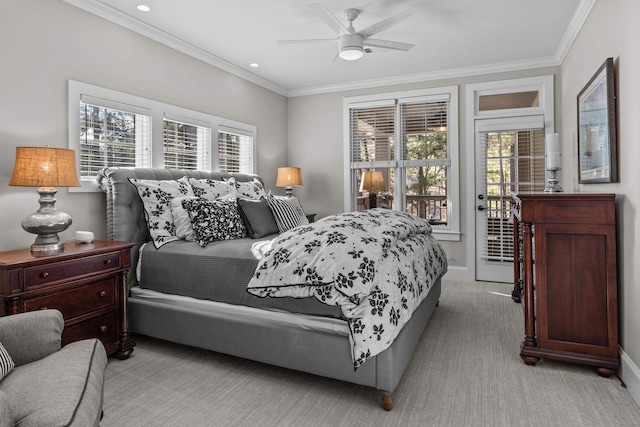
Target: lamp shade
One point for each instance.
(372, 181)
(288, 177)
(45, 167)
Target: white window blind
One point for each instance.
(235, 151)
(112, 137)
(373, 137)
(186, 146)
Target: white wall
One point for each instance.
(612, 30)
(44, 43)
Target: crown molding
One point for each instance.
(570, 35)
(104, 11)
(429, 76)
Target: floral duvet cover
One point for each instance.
(377, 265)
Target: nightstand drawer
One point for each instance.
(102, 327)
(77, 301)
(68, 270)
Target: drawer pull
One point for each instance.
(44, 274)
(103, 329)
(102, 294)
(107, 262)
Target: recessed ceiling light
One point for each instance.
(254, 65)
(143, 8)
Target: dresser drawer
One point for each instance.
(68, 270)
(77, 301)
(101, 327)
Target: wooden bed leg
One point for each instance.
(387, 402)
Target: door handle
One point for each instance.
(481, 208)
(480, 196)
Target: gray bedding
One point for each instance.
(218, 272)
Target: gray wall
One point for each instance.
(45, 43)
(612, 31)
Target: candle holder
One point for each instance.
(552, 161)
(553, 185)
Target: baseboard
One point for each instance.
(630, 374)
(457, 273)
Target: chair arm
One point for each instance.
(28, 337)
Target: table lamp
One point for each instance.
(372, 181)
(46, 168)
(287, 178)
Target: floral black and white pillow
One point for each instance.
(212, 189)
(214, 220)
(156, 198)
(250, 190)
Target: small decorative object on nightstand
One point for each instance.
(46, 168)
(287, 178)
(85, 282)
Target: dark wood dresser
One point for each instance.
(565, 267)
(86, 282)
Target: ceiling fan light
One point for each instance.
(351, 47)
(351, 53)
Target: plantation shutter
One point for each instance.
(235, 150)
(186, 146)
(112, 134)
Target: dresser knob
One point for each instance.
(44, 274)
(103, 329)
(107, 262)
(102, 294)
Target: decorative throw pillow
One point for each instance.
(257, 217)
(212, 189)
(6, 362)
(156, 198)
(181, 219)
(250, 190)
(287, 211)
(214, 220)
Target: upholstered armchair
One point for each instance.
(49, 385)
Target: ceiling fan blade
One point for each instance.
(328, 17)
(388, 44)
(304, 41)
(386, 23)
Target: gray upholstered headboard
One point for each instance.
(125, 214)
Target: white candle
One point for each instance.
(552, 151)
(553, 161)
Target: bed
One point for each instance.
(256, 319)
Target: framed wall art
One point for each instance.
(597, 142)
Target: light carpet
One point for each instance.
(466, 371)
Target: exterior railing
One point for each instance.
(433, 208)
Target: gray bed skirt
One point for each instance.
(310, 344)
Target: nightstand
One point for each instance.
(86, 282)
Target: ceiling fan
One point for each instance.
(352, 44)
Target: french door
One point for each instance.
(509, 159)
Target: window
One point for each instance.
(235, 151)
(118, 129)
(186, 146)
(401, 153)
(110, 137)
